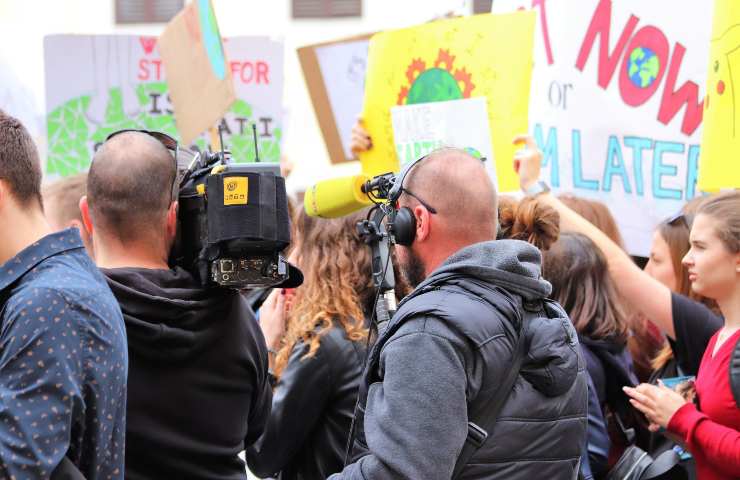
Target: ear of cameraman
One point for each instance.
(449, 346)
(198, 385)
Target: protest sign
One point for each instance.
(616, 103)
(199, 81)
(97, 84)
(451, 60)
(420, 128)
(719, 167)
(335, 77)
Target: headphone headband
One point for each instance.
(397, 189)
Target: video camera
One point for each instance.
(233, 223)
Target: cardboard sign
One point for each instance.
(97, 84)
(617, 102)
(488, 56)
(419, 129)
(335, 77)
(720, 146)
(199, 79)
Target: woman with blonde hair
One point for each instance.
(317, 339)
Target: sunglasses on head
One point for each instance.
(170, 143)
(686, 218)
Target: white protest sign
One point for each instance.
(420, 128)
(343, 68)
(97, 84)
(617, 101)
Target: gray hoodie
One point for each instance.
(443, 357)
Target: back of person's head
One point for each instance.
(529, 220)
(581, 283)
(337, 285)
(458, 187)
(129, 186)
(20, 168)
(62, 201)
(596, 213)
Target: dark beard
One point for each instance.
(414, 270)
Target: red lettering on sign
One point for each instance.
(545, 32)
(143, 70)
(148, 43)
(150, 69)
(673, 100)
(600, 26)
(262, 71)
(251, 72)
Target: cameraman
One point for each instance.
(198, 386)
(446, 351)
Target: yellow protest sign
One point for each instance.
(480, 56)
(719, 167)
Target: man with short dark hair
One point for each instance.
(63, 360)
(198, 385)
(446, 354)
(62, 205)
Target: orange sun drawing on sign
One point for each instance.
(442, 82)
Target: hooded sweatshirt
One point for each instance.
(198, 391)
(442, 359)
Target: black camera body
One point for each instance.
(234, 224)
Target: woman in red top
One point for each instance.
(711, 431)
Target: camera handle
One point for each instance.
(373, 233)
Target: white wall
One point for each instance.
(24, 23)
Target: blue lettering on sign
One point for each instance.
(578, 180)
(615, 164)
(661, 169)
(692, 173)
(638, 144)
(549, 152)
(614, 152)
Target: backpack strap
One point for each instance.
(478, 430)
(735, 373)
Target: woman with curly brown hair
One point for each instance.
(317, 340)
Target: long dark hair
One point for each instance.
(581, 283)
(337, 287)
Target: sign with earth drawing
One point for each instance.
(443, 61)
(97, 84)
(617, 103)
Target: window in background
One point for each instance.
(327, 8)
(482, 6)
(147, 11)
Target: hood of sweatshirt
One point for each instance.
(552, 361)
(169, 316)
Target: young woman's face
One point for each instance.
(713, 269)
(660, 265)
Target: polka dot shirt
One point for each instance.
(63, 364)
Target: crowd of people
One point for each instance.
(527, 342)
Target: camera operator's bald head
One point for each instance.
(457, 185)
(129, 186)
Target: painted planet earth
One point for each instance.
(643, 67)
(434, 85)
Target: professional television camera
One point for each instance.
(233, 222)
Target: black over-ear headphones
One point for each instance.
(401, 222)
